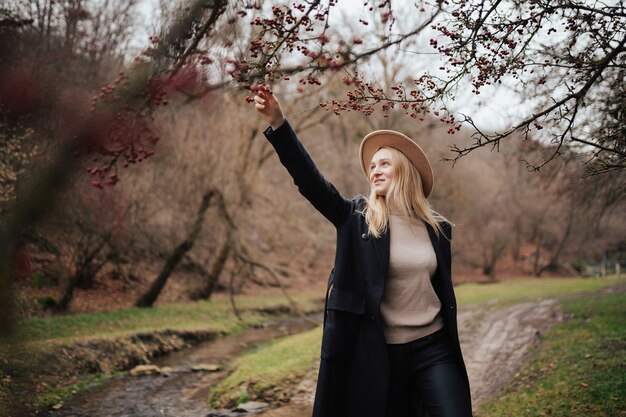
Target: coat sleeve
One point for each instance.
(310, 182)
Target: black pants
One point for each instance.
(425, 373)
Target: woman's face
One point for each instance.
(381, 171)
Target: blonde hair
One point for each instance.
(407, 193)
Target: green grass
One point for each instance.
(578, 369)
(520, 290)
(269, 369)
(215, 315)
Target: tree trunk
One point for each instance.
(537, 255)
(84, 274)
(489, 269)
(150, 296)
(517, 240)
(68, 294)
(553, 262)
(213, 276)
(491, 257)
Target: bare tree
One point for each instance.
(150, 296)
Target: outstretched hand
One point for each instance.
(269, 107)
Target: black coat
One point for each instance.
(354, 371)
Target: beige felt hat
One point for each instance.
(379, 138)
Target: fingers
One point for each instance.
(264, 94)
(266, 104)
(259, 102)
(264, 101)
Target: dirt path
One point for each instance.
(494, 342)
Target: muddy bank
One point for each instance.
(122, 353)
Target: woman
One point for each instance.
(390, 344)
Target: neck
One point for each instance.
(393, 206)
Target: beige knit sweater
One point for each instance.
(410, 307)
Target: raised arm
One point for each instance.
(292, 154)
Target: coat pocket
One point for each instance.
(339, 299)
(341, 332)
(344, 314)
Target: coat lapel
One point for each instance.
(434, 241)
(442, 274)
(382, 252)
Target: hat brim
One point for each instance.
(379, 138)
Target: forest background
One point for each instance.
(177, 185)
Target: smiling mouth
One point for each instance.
(378, 181)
